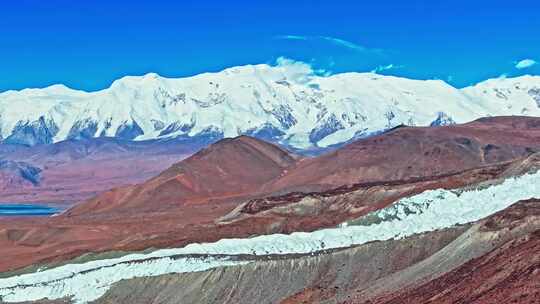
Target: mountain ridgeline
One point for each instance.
(267, 102)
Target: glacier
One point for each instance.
(428, 211)
(277, 103)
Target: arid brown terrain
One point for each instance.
(408, 152)
(222, 191)
(243, 187)
(231, 167)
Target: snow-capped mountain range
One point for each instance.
(286, 103)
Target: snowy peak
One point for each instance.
(520, 95)
(286, 103)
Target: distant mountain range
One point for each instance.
(73, 170)
(301, 111)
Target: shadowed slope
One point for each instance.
(17, 174)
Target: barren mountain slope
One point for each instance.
(406, 152)
(230, 167)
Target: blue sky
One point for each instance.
(88, 44)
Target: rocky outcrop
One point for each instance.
(129, 131)
(18, 174)
(39, 132)
(442, 120)
(85, 129)
(326, 126)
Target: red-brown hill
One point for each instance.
(228, 168)
(416, 152)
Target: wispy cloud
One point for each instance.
(525, 63)
(333, 40)
(292, 37)
(386, 67)
(344, 43)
